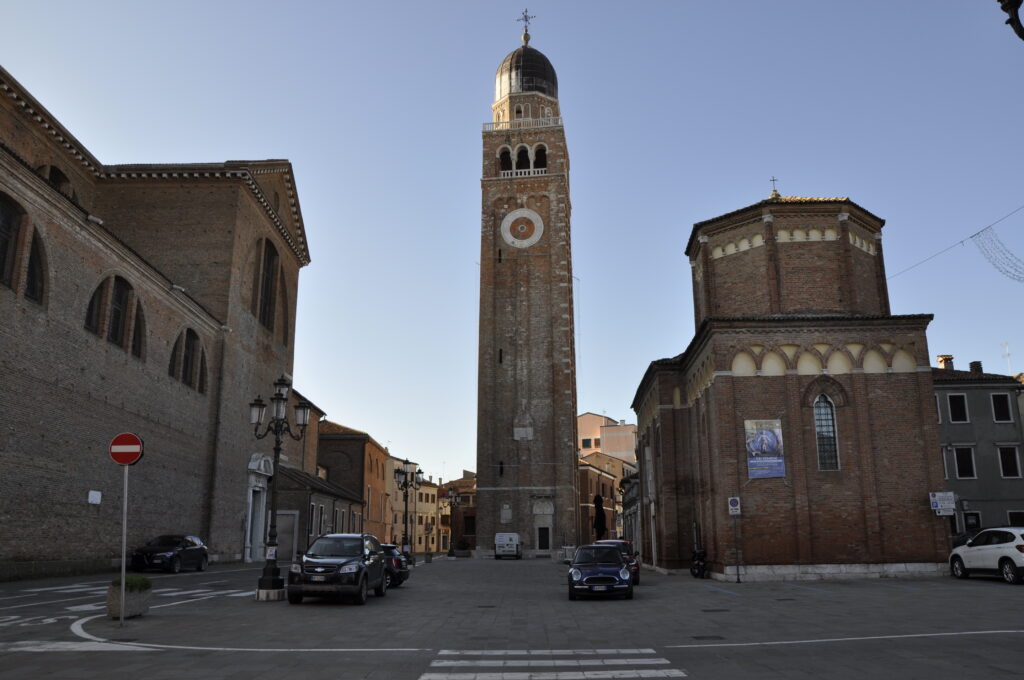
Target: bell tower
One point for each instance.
(526, 406)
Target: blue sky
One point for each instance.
(675, 112)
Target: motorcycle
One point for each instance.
(699, 565)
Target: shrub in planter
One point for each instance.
(137, 591)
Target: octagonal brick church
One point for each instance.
(795, 437)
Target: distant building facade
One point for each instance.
(980, 434)
(802, 403)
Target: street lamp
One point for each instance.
(406, 480)
(453, 502)
(271, 585)
(1012, 7)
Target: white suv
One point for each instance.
(992, 551)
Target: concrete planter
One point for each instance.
(136, 603)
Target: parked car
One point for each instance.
(625, 547)
(396, 564)
(171, 552)
(599, 570)
(339, 565)
(998, 552)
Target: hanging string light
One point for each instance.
(998, 255)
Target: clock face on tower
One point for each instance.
(522, 228)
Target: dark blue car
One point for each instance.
(599, 570)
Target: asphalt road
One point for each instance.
(511, 620)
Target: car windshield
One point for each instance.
(335, 546)
(607, 555)
(169, 540)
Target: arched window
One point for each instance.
(825, 429)
(519, 111)
(35, 281)
(522, 159)
(540, 157)
(117, 326)
(10, 227)
(138, 331)
(59, 181)
(505, 160)
(188, 361)
(94, 312)
(284, 312)
(267, 285)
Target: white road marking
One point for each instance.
(87, 607)
(73, 585)
(177, 593)
(540, 652)
(559, 675)
(544, 663)
(846, 639)
(34, 604)
(56, 646)
(16, 597)
(247, 593)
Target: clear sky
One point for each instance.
(675, 112)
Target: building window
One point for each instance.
(587, 444)
(972, 521)
(958, 408)
(117, 326)
(312, 511)
(938, 410)
(1001, 408)
(522, 159)
(1015, 518)
(188, 361)
(1009, 461)
(541, 157)
(825, 429)
(35, 282)
(505, 160)
(597, 443)
(94, 312)
(334, 522)
(268, 285)
(10, 227)
(964, 458)
(320, 521)
(138, 331)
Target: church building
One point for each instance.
(795, 437)
(526, 422)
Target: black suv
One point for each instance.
(339, 565)
(396, 564)
(171, 552)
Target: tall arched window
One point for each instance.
(268, 271)
(138, 331)
(541, 157)
(505, 160)
(117, 326)
(522, 159)
(35, 281)
(94, 312)
(10, 227)
(825, 429)
(188, 361)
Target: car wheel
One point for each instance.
(1009, 571)
(572, 593)
(957, 569)
(360, 596)
(175, 565)
(382, 589)
(203, 562)
(389, 579)
(294, 598)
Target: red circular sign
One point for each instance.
(126, 448)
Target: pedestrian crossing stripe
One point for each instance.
(622, 674)
(540, 652)
(542, 663)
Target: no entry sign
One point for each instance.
(126, 448)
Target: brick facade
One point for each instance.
(168, 257)
(791, 307)
(526, 423)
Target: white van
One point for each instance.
(507, 545)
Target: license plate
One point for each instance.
(317, 578)
(599, 587)
(157, 560)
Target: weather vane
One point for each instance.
(526, 25)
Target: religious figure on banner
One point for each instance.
(764, 449)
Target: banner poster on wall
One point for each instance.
(764, 449)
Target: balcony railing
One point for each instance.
(523, 123)
(524, 173)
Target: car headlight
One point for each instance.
(349, 569)
(624, 573)
(575, 574)
(296, 568)
(166, 554)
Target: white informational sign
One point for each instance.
(734, 505)
(272, 553)
(942, 500)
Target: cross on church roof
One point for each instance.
(526, 25)
(774, 194)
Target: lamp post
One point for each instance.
(271, 585)
(405, 479)
(1012, 7)
(453, 502)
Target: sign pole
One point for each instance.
(124, 539)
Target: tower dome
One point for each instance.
(525, 70)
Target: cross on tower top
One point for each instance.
(774, 194)
(526, 25)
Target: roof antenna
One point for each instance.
(526, 26)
